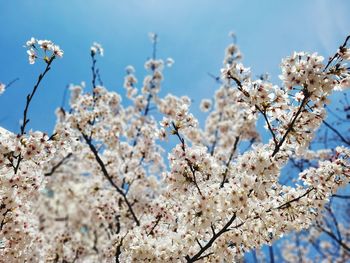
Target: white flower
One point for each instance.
(299, 96)
(344, 53)
(165, 122)
(31, 42)
(96, 48)
(169, 62)
(205, 105)
(31, 56)
(57, 51)
(49, 50)
(130, 69)
(2, 88)
(45, 44)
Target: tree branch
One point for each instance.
(198, 255)
(55, 167)
(337, 133)
(109, 178)
(229, 161)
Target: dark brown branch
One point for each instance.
(28, 100)
(31, 95)
(287, 204)
(297, 241)
(155, 41)
(317, 248)
(99, 77)
(263, 112)
(138, 129)
(93, 70)
(216, 137)
(64, 97)
(61, 219)
(336, 55)
(212, 229)
(205, 256)
(336, 224)
(118, 251)
(158, 218)
(337, 133)
(272, 256)
(291, 124)
(76, 256)
(183, 147)
(11, 83)
(109, 178)
(55, 167)
(199, 243)
(278, 144)
(229, 161)
(342, 196)
(2, 223)
(204, 248)
(331, 235)
(95, 242)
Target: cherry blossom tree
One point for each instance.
(103, 187)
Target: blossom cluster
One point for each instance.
(100, 189)
(45, 48)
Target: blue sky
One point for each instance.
(194, 33)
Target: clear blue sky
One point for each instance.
(194, 33)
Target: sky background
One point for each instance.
(193, 33)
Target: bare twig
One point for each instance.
(28, 100)
(31, 95)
